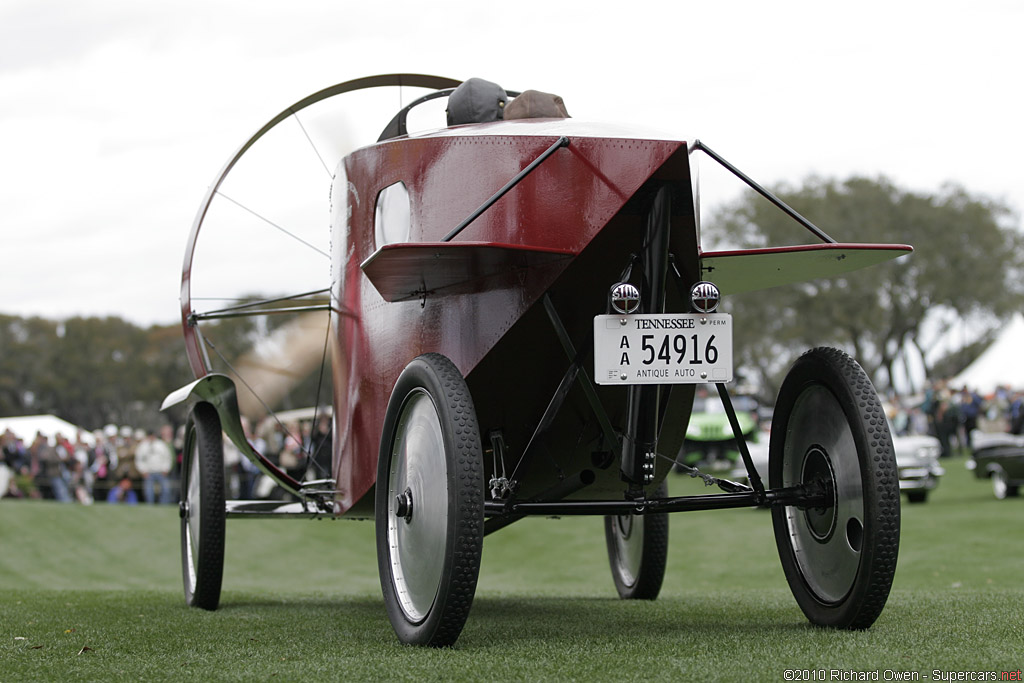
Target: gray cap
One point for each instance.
(476, 101)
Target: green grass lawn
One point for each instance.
(94, 593)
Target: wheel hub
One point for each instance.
(821, 520)
(403, 506)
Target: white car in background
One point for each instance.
(917, 459)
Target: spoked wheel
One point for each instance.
(429, 503)
(638, 551)
(256, 280)
(202, 509)
(829, 427)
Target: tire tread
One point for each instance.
(210, 560)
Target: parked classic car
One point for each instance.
(999, 457)
(917, 459)
(709, 440)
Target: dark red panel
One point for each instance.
(401, 272)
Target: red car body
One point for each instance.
(567, 229)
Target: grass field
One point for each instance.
(94, 593)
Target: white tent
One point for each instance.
(49, 425)
(1001, 364)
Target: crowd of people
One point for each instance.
(116, 465)
(952, 414)
(130, 466)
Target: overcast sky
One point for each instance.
(115, 115)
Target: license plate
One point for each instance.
(668, 348)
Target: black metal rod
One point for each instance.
(715, 501)
(560, 142)
(800, 496)
(265, 311)
(788, 210)
(741, 443)
(397, 126)
(554, 406)
(253, 304)
(582, 377)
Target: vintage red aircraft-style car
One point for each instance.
(519, 311)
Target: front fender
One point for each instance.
(220, 392)
(216, 389)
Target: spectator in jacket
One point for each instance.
(154, 459)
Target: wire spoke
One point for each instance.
(270, 411)
(274, 225)
(313, 145)
(249, 303)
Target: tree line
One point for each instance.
(967, 264)
(95, 371)
(91, 371)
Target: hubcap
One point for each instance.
(629, 546)
(827, 542)
(418, 473)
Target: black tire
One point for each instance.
(429, 503)
(202, 508)
(638, 551)
(829, 424)
(917, 496)
(1001, 488)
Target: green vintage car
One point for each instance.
(709, 441)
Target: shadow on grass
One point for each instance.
(598, 619)
(544, 620)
